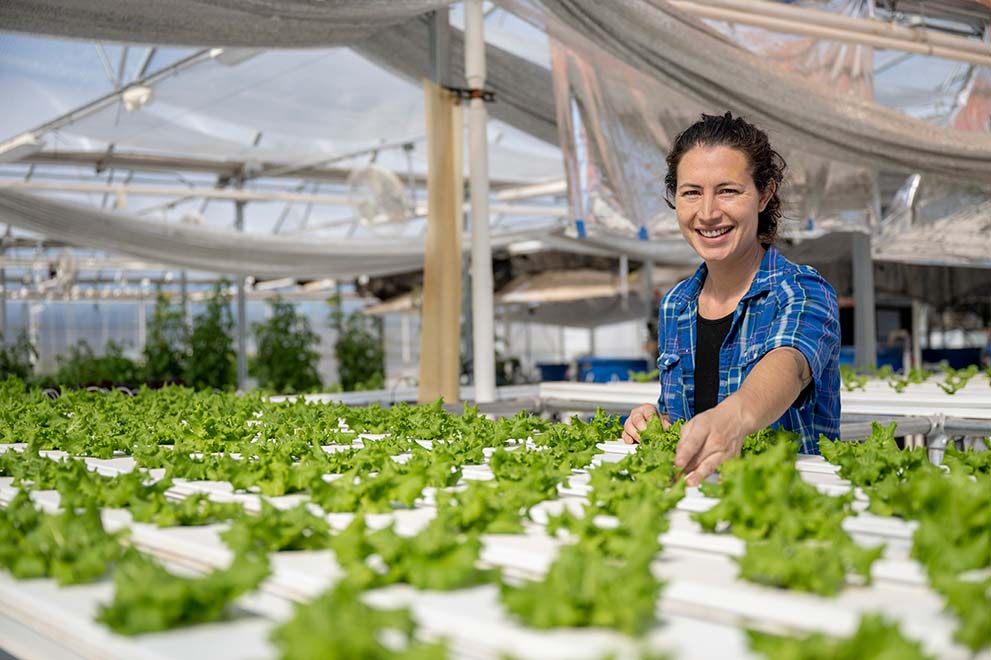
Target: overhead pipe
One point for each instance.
(824, 25)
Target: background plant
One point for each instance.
(211, 344)
(359, 352)
(82, 366)
(15, 357)
(286, 361)
(167, 336)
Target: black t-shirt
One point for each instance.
(710, 335)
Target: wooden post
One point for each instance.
(440, 325)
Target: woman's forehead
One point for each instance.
(714, 165)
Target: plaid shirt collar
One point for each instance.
(763, 281)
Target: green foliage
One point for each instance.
(875, 638)
(584, 587)
(16, 357)
(851, 379)
(191, 511)
(604, 577)
(643, 376)
(83, 367)
(359, 351)
(286, 361)
(953, 510)
(339, 626)
(392, 485)
(148, 598)
(71, 547)
(970, 601)
(484, 507)
(956, 379)
(211, 362)
(275, 530)
(913, 376)
(165, 342)
(970, 461)
(439, 557)
(794, 534)
(875, 459)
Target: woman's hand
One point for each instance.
(637, 421)
(717, 435)
(707, 440)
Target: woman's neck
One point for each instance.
(728, 281)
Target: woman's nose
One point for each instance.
(710, 207)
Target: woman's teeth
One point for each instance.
(714, 233)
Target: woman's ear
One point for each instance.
(766, 196)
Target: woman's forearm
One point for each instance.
(770, 389)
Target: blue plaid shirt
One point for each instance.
(787, 305)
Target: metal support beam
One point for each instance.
(242, 331)
(3, 287)
(865, 333)
(920, 312)
(481, 250)
(440, 46)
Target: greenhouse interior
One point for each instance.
(435, 329)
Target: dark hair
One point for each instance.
(766, 165)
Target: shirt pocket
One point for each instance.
(736, 373)
(669, 374)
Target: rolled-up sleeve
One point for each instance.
(807, 320)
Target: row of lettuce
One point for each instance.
(201, 353)
(602, 575)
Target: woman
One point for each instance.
(750, 339)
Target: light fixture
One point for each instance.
(136, 97)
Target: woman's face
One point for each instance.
(717, 203)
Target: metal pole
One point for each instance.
(3, 287)
(439, 28)
(142, 325)
(481, 250)
(242, 356)
(184, 298)
(919, 313)
(865, 333)
(3, 305)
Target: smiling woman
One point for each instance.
(751, 339)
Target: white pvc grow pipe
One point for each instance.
(483, 342)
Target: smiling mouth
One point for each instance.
(715, 233)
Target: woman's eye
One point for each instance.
(729, 191)
(690, 193)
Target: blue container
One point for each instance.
(956, 358)
(608, 370)
(891, 356)
(552, 371)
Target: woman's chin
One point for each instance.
(713, 254)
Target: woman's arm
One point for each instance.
(766, 393)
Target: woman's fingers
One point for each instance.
(637, 421)
(693, 437)
(705, 468)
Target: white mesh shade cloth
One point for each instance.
(246, 23)
(963, 238)
(218, 251)
(686, 56)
